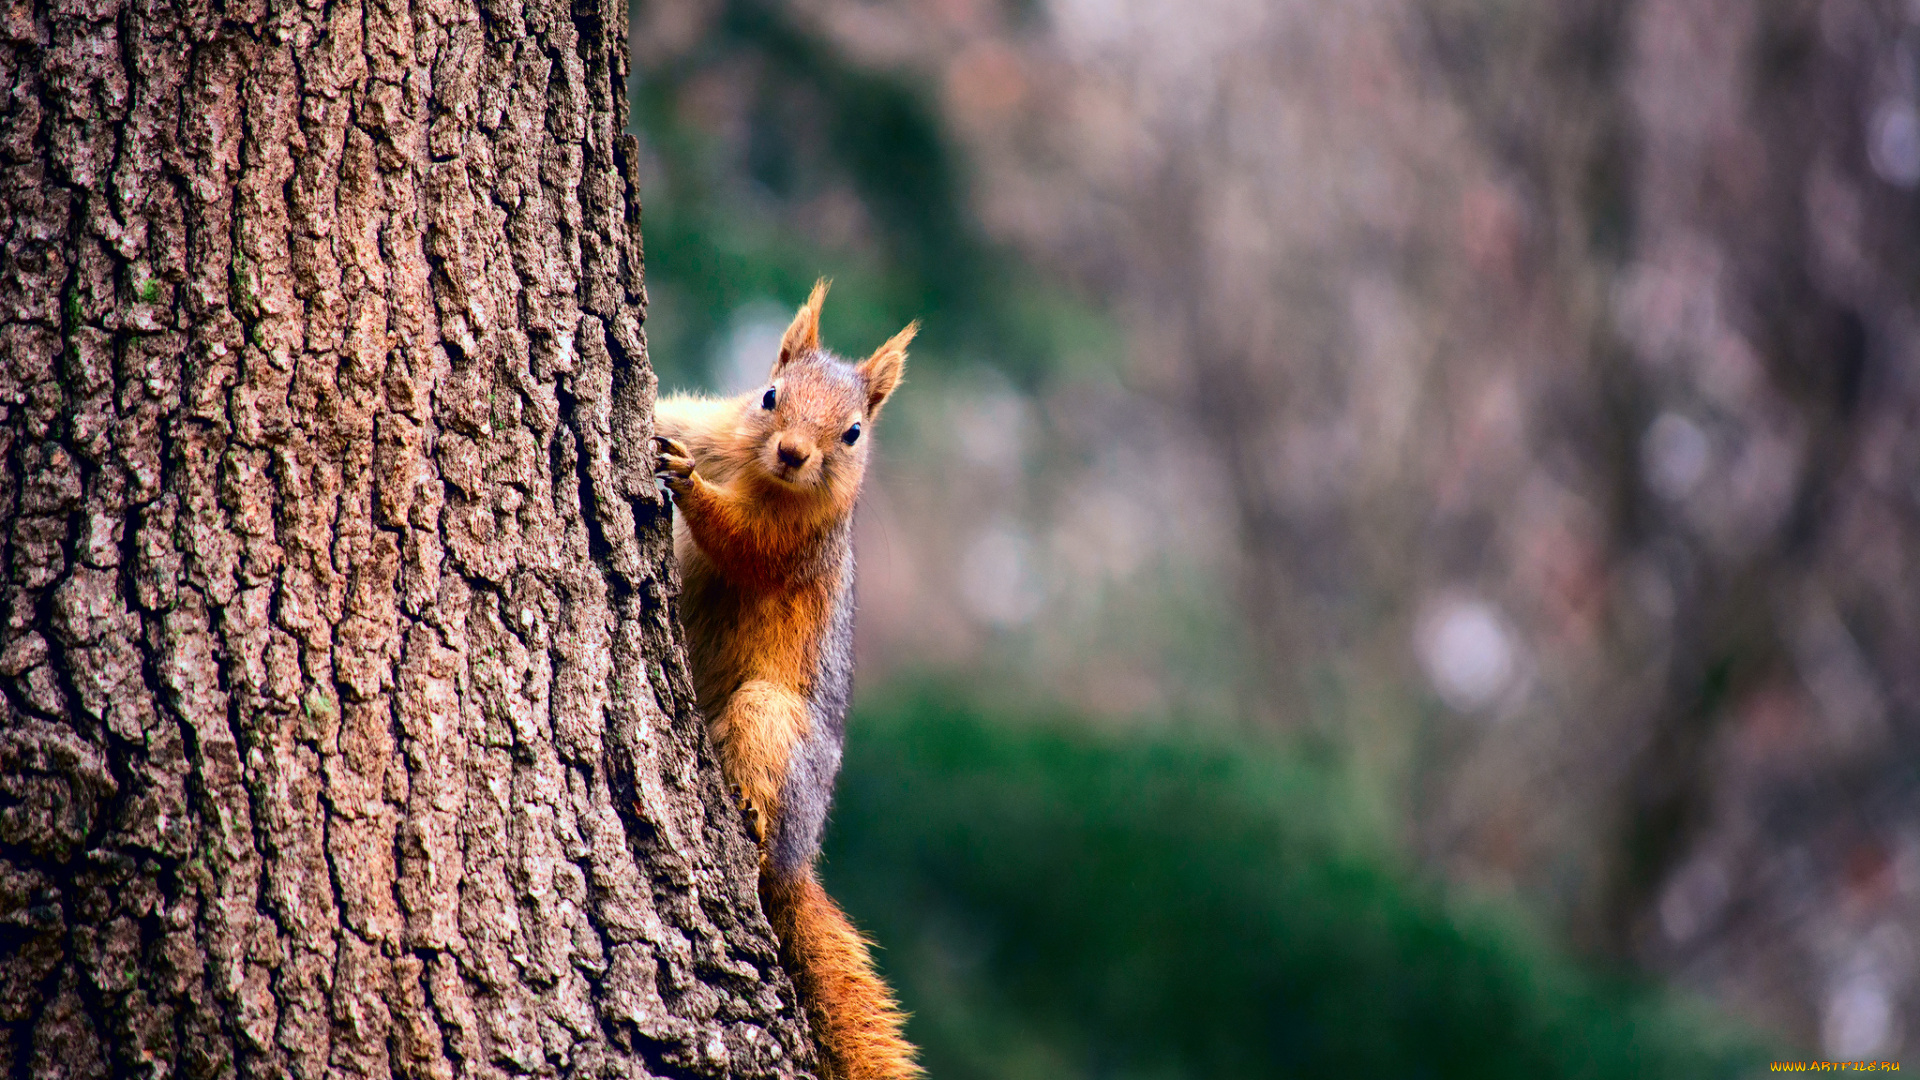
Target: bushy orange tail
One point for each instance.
(854, 1017)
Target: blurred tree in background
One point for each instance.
(1512, 407)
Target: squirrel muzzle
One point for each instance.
(794, 452)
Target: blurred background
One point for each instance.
(1397, 551)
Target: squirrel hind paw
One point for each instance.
(756, 822)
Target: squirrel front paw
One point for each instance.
(674, 464)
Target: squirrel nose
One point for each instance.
(793, 453)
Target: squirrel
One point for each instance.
(766, 484)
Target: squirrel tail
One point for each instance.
(854, 1017)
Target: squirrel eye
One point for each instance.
(852, 435)
(766, 399)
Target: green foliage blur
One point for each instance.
(1057, 901)
(730, 209)
(704, 242)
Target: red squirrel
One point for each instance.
(766, 484)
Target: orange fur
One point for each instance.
(854, 1017)
(761, 539)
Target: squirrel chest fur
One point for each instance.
(775, 642)
(765, 484)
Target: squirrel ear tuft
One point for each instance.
(881, 371)
(803, 333)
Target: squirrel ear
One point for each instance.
(881, 371)
(803, 333)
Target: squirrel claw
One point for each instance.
(674, 464)
(756, 824)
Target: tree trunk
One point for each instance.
(348, 730)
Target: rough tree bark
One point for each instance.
(347, 728)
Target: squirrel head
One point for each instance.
(812, 421)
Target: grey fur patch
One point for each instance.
(814, 763)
